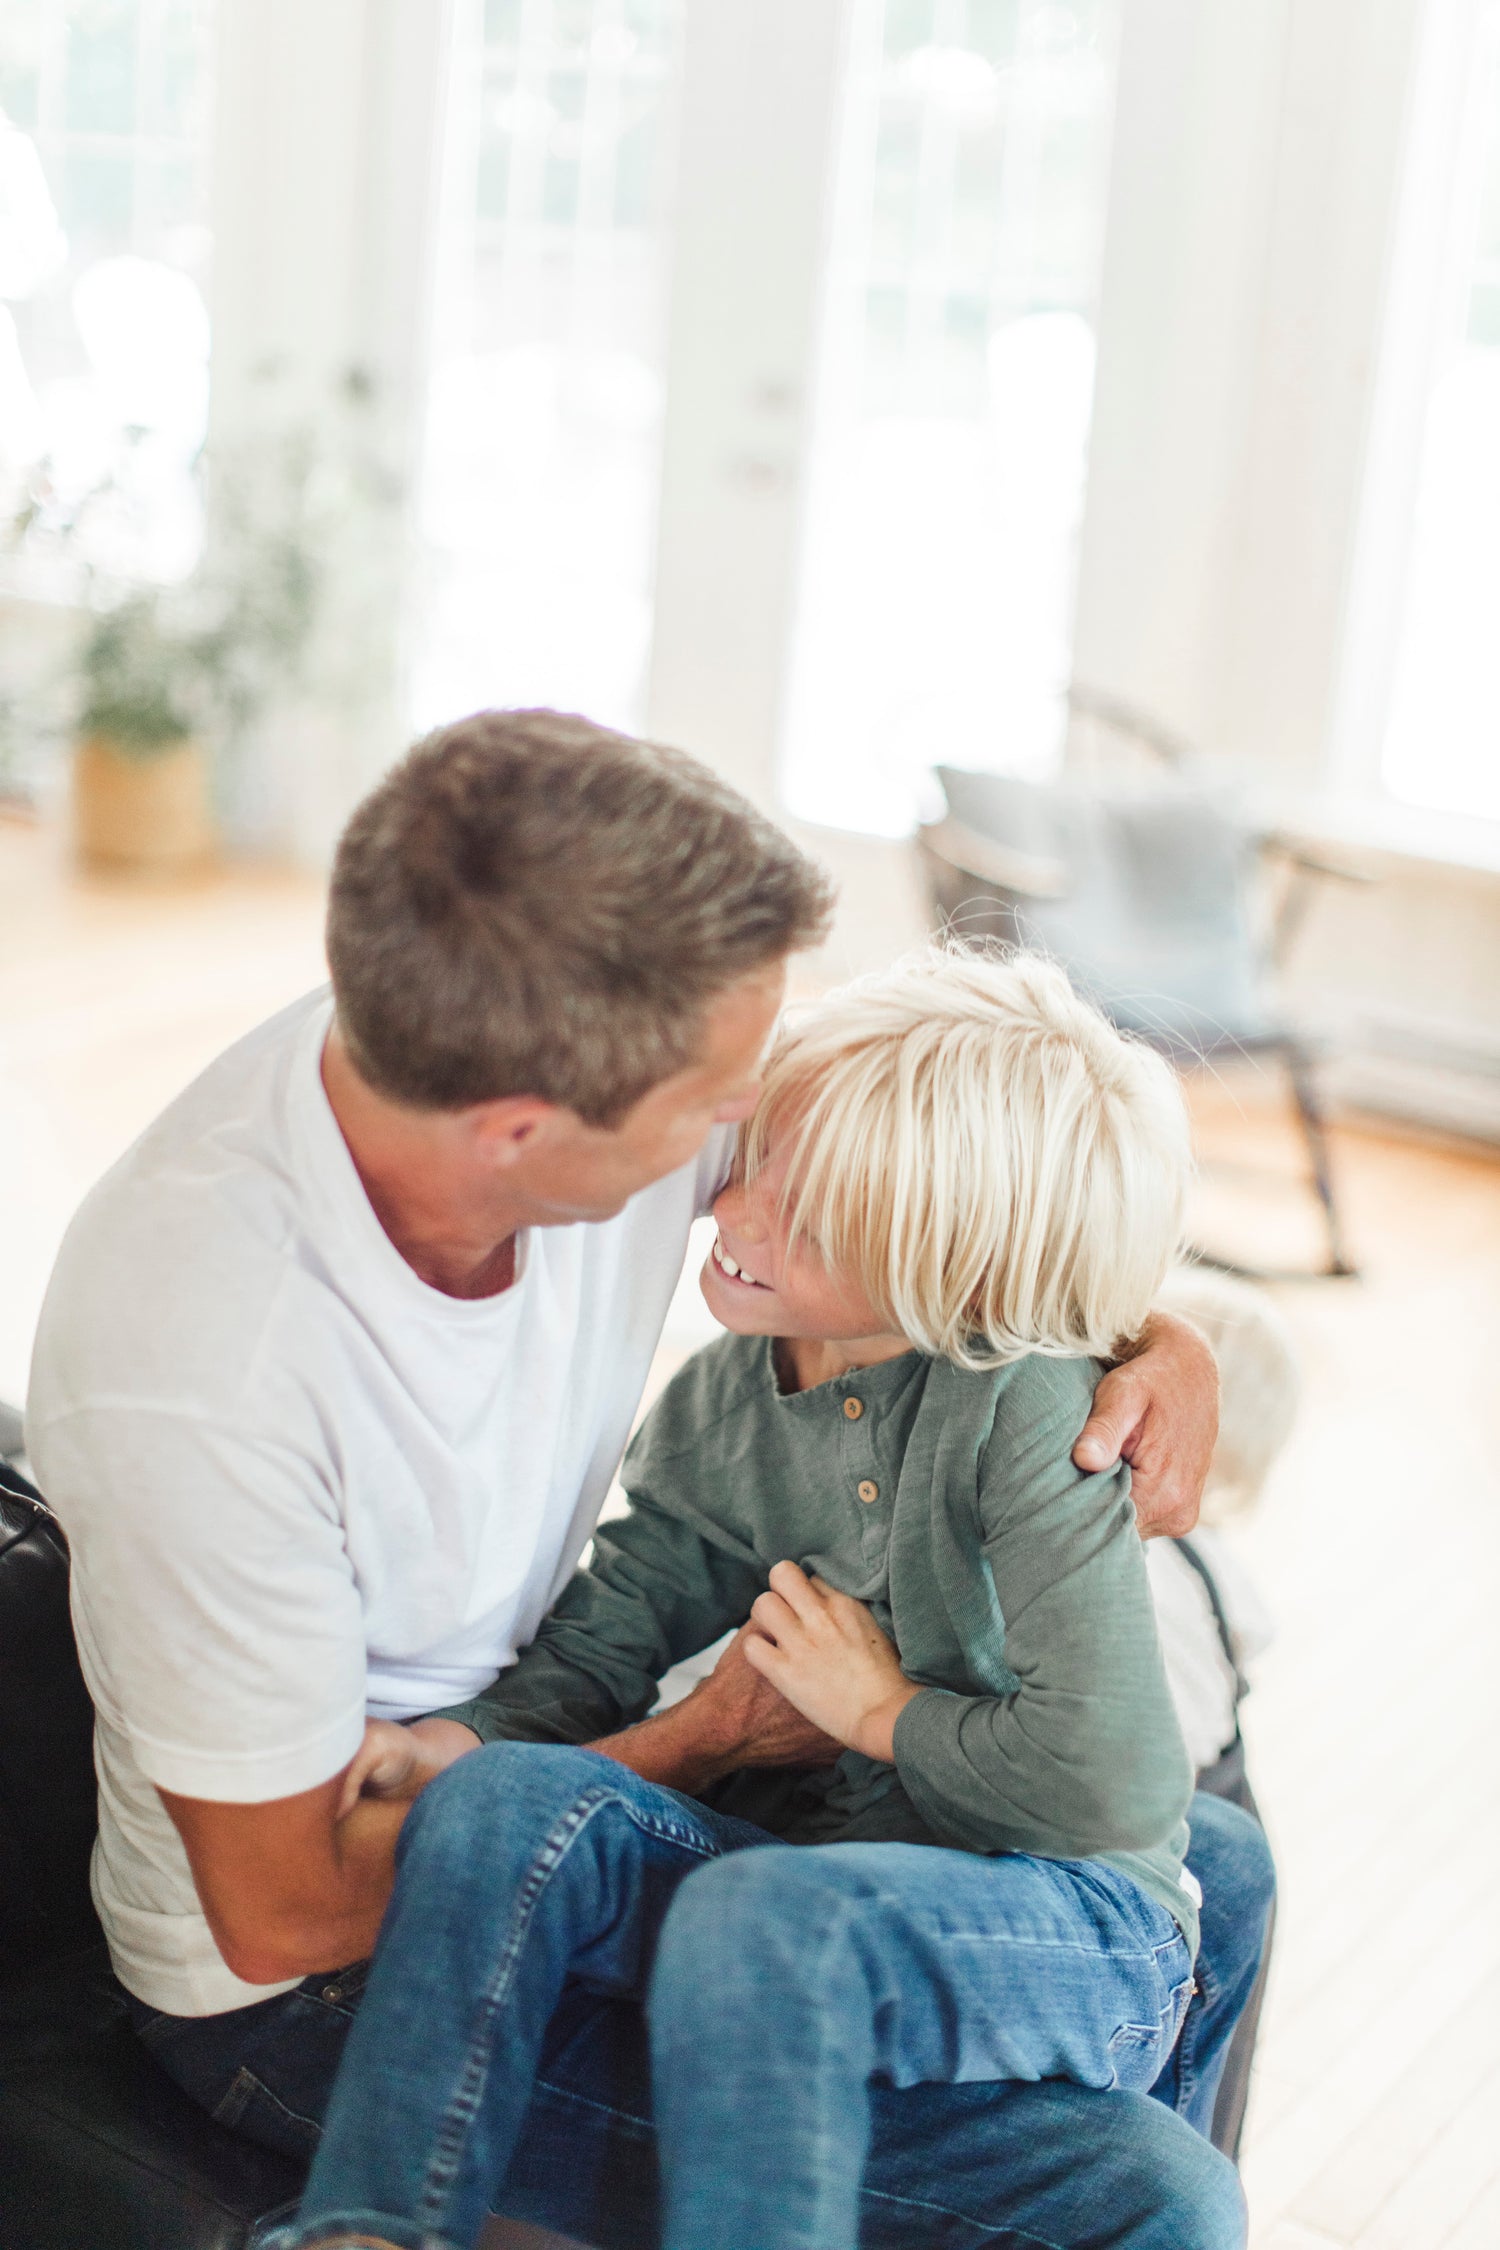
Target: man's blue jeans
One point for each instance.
(950, 2165)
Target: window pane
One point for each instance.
(958, 371)
(99, 89)
(103, 324)
(20, 61)
(543, 445)
(1442, 748)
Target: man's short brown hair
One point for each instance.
(531, 904)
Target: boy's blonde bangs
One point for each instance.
(997, 1167)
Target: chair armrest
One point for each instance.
(1027, 874)
(1313, 863)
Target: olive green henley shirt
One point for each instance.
(1013, 1586)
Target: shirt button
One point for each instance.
(868, 1491)
(853, 1408)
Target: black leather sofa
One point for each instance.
(98, 2149)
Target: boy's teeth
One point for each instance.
(728, 1264)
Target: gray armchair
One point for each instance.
(1149, 887)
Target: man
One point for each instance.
(339, 1360)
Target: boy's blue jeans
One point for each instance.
(535, 1888)
(782, 1981)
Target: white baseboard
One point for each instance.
(1441, 1078)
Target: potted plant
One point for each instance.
(141, 794)
(167, 682)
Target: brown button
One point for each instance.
(868, 1491)
(853, 1408)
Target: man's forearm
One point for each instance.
(675, 1749)
(288, 1889)
(733, 1718)
(343, 1927)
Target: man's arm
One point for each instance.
(298, 1886)
(287, 1888)
(1158, 1410)
(734, 1718)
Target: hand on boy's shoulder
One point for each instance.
(1158, 1410)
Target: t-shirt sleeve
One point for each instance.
(218, 1623)
(715, 1165)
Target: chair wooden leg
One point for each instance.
(1303, 1081)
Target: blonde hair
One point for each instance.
(1259, 1381)
(998, 1168)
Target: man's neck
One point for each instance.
(409, 1167)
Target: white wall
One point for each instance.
(759, 94)
(1244, 417)
(327, 142)
(1252, 200)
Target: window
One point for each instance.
(1442, 738)
(103, 258)
(543, 446)
(947, 483)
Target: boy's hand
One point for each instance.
(825, 1653)
(1158, 1410)
(396, 1763)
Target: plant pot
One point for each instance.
(147, 810)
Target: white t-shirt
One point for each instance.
(298, 1483)
(1199, 1671)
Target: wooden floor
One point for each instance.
(1375, 1722)
(1374, 1726)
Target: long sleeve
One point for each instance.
(1083, 1755)
(659, 1586)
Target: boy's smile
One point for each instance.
(730, 1269)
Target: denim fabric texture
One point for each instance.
(527, 1868)
(1233, 1864)
(951, 2166)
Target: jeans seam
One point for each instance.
(463, 2105)
(849, 1912)
(951, 2211)
(1055, 1945)
(246, 2083)
(563, 2093)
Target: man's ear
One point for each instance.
(507, 1130)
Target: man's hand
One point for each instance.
(760, 1726)
(827, 1655)
(395, 1763)
(1158, 1410)
(733, 1718)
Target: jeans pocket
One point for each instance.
(249, 2107)
(1138, 2051)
